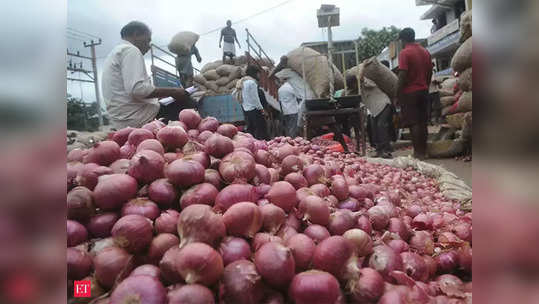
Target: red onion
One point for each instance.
(242, 283)
(103, 153)
(151, 144)
(364, 224)
(243, 219)
(218, 145)
(142, 289)
(286, 233)
(283, 151)
(314, 174)
(314, 287)
(432, 266)
(320, 190)
(291, 164)
(172, 137)
(245, 143)
(378, 217)
(351, 204)
(213, 177)
(227, 130)
(194, 293)
(146, 166)
(162, 192)
(233, 194)
(292, 221)
(262, 238)
(447, 261)
(262, 190)
(360, 192)
(397, 226)
(133, 232)
(154, 126)
(79, 264)
(451, 285)
(80, 205)
(198, 223)
(414, 266)
(120, 136)
(465, 258)
(360, 242)
(317, 233)
(296, 179)
(100, 225)
(341, 221)
(146, 270)
(183, 173)
(127, 151)
(101, 244)
(283, 194)
(199, 263)
(233, 249)
(273, 218)
(314, 210)
(112, 191)
(167, 222)
(339, 187)
(332, 255)
(463, 231)
(167, 265)
(237, 167)
(203, 136)
(141, 206)
(302, 248)
(76, 233)
(190, 118)
(159, 245)
(208, 124)
(76, 155)
(275, 263)
(110, 264)
(193, 133)
(422, 222)
(204, 194)
(263, 157)
(73, 169)
(385, 260)
(395, 197)
(274, 175)
(422, 242)
(398, 245)
(413, 210)
(367, 286)
(89, 175)
(448, 238)
(262, 175)
(120, 166)
(139, 135)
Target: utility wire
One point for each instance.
(81, 32)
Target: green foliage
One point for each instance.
(82, 116)
(372, 42)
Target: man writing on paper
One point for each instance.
(130, 96)
(228, 34)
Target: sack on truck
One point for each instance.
(182, 43)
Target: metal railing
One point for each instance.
(256, 55)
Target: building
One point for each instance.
(391, 53)
(445, 35)
(343, 50)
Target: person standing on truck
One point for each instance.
(130, 96)
(247, 89)
(228, 34)
(185, 67)
(289, 103)
(415, 75)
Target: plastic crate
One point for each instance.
(223, 107)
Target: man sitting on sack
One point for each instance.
(130, 96)
(228, 34)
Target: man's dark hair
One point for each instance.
(252, 70)
(134, 28)
(385, 62)
(228, 21)
(407, 35)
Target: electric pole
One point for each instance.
(92, 45)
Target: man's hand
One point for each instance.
(219, 45)
(179, 94)
(199, 60)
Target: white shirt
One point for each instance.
(125, 85)
(249, 93)
(374, 99)
(287, 97)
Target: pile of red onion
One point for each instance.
(199, 212)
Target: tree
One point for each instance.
(372, 42)
(81, 116)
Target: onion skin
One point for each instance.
(286, 232)
(167, 265)
(193, 134)
(291, 164)
(317, 233)
(237, 167)
(145, 289)
(351, 204)
(397, 226)
(262, 238)
(190, 294)
(218, 145)
(422, 242)
(199, 263)
(314, 210)
(110, 264)
(80, 204)
(89, 175)
(275, 263)
(302, 248)
(213, 177)
(339, 188)
(242, 283)
(184, 174)
(227, 130)
(151, 144)
(146, 270)
(367, 287)
(167, 222)
(360, 242)
(120, 166)
(100, 225)
(447, 261)
(190, 118)
(296, 179)
(76, 233)
(141, 206)
(198, 223)
(273, 218)
(208, 124)
(262, 175)
(79, 264)
(379, 217)
(233, 194)
(283, 195)
(154, 126)
(243, 220)
(120, 136)
(364, 224)
(385, 260)
(341, 221)
(332, 255)
(204, 194)
(127, 151)
(414, 266)
(162, 192)
(398, 246)
(103, 153)
(233, 249)
(314, 174)
(159, 245)
(172, 137)
(321, 190)
(133, 232)
(139, 135)
(112, 191)
(314, 287)
(263, 157)
(292, 221)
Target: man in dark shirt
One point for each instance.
(415, 74)
(228, 34)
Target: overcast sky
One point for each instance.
(278, 30)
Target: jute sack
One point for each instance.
(182, 43)
(467, 127)
(445, 148)
(316, 70)
(235, 73)
(211, 75)
(222, 81)
(212, 85)
(225, 69)
(456, 120)
(464, 103)
(465, 26)
(231, 85)
(198, 78)
(211, 66)
(446, 93)
(386, 80)
(463, 57)
(222, 90)
(449, 84)
(447, 101)
(355, 71)
(465, 80)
